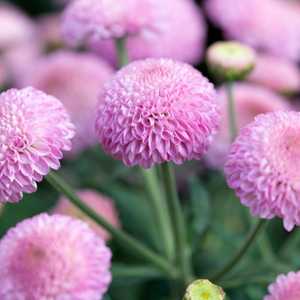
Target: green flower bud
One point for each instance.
(203, 289)
(230, 61)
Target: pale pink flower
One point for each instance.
(94, 20)
(286, 287)
(169, 39)
(157, 110)
(250, 100)
(278, 74)
(76, 79)
(15, 27)
(53, 257)
(263, 167)
(101, 204)
(270, 25)
(34, 130)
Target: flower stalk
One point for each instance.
(121, 237)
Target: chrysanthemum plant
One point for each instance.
(152, 114)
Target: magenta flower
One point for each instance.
(263, 167)
(276, 73)
(53, 257)
(163, 41)
(88, 20)
(76, 79)
(101, 204)
(157, 110)
(286, 287)
(34, 130)
(269, 25)
(250, 100)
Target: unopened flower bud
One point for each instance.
(203, 289)
(230, 61)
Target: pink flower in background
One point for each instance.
(278, 74)
(53, 257)
(263, 167)
(15, 27)
(169, 40)
(286, 287)
(101, 204)
(34, 130)
(87, 20)
(250, 100)
(270, 25)
(157, 110)
(76, 79)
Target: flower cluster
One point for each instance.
(35, 129)
(53, 257)
(263, 167)
(157, 110)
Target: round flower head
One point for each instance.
(230, 60)
(15, 28)
(285, 287)
(157, 110)
(76, 80)
(269, 25)
(34, 130)
(263, 167)
(276, 73)
(163, 41)
(88, 20)
(250, 100)
(204, 290)
(53, 257)
(101, 204)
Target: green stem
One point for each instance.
(237, 282)
(178, 223)
(160, 210)
(122, 52)
(121, 237)
(241, 252)
(231, 111)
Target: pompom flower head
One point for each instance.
(87, 20)
(278, 74)
(157, 110)
(203, 289)
(34, 130)
(101, 204)
(250, 100)
(53, 257)
(76, 79)
(263, 167)
(162, 41)
(230, 60)
(285, 287)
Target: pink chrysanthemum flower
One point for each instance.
(286, 287)
(34, 130)
(76, 79)
(263, 167)
(276, 73)
(250, 100)
(15, 27)
(53, 257)
(270, 25)
(101, 204)
(163, 42)
(94, 20)
(157, 110)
